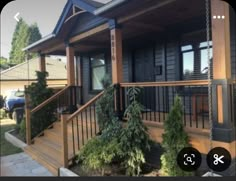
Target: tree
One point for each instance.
(22, 37)
(4, 63)
(39, 92)
(174, 140)
(35, 35)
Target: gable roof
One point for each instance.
(85, 5)
(55, 68)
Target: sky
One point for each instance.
(44, 12)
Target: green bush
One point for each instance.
(174, 140)
(39, 92)
(3, 114)
(23, 129)
(101, 151)
(104, 106)
(134, 138)
(123, 145)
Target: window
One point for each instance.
(98, 71)
(195, 60)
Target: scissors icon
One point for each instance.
(218, 159)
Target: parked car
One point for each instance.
(14, 101)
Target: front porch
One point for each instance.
(162, 53)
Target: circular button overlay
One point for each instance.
(219, 159)
(189, 159)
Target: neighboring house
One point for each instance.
(23, 74)
(158, 45)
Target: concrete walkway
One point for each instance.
(21, 165)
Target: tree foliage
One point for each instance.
(39, 92)
(104, 106)
(123, 145)
(174, 140)
(22, 37)
(134, 137)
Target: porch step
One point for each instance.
(47, 148)
(45, 159)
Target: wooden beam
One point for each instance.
(144, 11)
(148, 27)
(165, 84)
(70, 54)
(64, 140)
(42, 63)
(116, 56)
(56, 47)
(89, 33)
(221, 40)
(220, 103)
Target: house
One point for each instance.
(23, 74)
(161, 46)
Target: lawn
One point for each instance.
(7, 148)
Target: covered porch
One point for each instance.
(159, 47)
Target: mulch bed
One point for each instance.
(151, 168)
(16, 133)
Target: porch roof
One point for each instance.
(137, 17)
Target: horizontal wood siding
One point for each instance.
(127, 60)
(233, 42)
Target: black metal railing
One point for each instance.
(157, 101)
(82, 126)
(65, 101)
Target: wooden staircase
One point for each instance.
(57, 145)
(47, 148)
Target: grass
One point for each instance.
(7, 148)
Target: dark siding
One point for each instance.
(87, 93)
(127, 59)
(160, 61)
(233, 42)
(85, 22)
(172, 61)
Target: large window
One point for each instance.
(98, 71)
(195, 60)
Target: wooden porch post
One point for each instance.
(64, 140)
(117, 63)
(116, 55)
(42, 63)
(70, 65)
(27, 119)
(223, 127)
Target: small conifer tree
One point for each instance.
(174, 140)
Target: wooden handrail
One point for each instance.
(169, 83)
(43, 104)
(84, 106)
